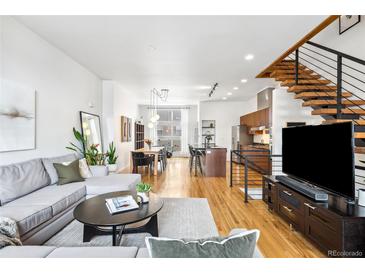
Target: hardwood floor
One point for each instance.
(229, 210)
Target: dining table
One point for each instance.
(148, 150)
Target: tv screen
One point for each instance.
(321, 155)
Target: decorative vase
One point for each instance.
(149, 146)
(145, 196)
(99, 171)
(112, 168)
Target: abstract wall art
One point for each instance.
(17, 117)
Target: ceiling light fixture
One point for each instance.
(224, 98)
(213, 89)
(244, 81)
(203, 87)
(229, 93)
(249, 57)
(235, 88)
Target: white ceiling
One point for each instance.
(182, 53)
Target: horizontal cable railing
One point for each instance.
(243, 169)
(344, 72)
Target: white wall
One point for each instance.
(118, 102)
(63, 87)
(226, 114)
(351, 42)
(287, 109)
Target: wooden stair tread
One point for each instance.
(285, 77)
(314, 94)
(289, 71)
(324, 102)
(292, 82)
(359, 135)
(360, 150)
(286, 67)
(333, 111)
(300, 88)
(334, 121)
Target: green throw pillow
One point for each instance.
(241, 245)
(68, 173)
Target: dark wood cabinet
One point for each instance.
(336, 227)
(138, 136)
(257, 118)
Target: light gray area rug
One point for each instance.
(179, 218)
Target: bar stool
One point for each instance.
(195, 158)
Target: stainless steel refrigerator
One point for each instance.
(240, 138)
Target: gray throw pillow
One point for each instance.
(241, 245)
(48, 165)
(68, 173)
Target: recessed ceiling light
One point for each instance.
(235, 88)
(203, 87)
(244, 81)
(229, 93)
(224, 98)
(249, 56)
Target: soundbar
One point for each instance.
(306, 190)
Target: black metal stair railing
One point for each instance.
(345, 72)
(244, 171)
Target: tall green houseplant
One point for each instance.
(90, 153)
(111, 154)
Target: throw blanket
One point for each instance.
(8, 232)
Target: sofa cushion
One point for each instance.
(111, 183)
(240, 245)
(19, 179)
(27, 217)
(68, 173)
(48, 164)
(94, 252)
(57, 197)
(26, 251)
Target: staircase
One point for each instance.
(329, 82)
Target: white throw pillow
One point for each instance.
(84, 169)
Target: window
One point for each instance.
(168, 129)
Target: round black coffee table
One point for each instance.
(97, 220)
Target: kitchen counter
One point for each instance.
(213, 161)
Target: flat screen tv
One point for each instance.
(321, 155)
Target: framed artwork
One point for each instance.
(125, 129)
(17, 117)
(129, 135)
(348, 21)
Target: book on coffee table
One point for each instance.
(121, 204)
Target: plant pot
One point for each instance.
(112, 168)
(145, 196)
(99, 171)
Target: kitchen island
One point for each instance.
(213, 160)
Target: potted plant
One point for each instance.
(148, 142)
(93, 157)
(111, 158)
(143, 191)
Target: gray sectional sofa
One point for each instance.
(29, 194)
